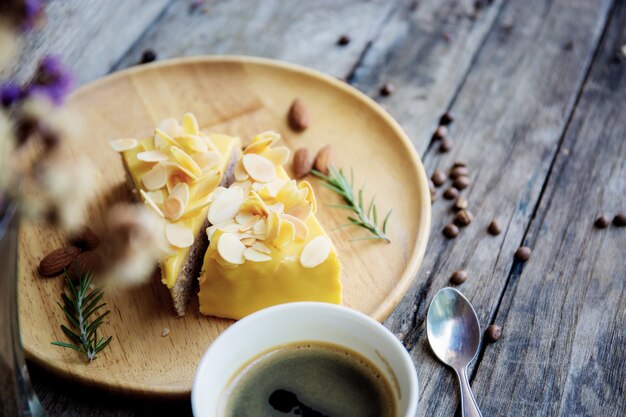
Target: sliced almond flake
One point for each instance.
(286, 234)
(209, 142)
(256, 256)
(170, 127)
(301, 210)
(175, 175)
(256, 186)
(276, 207)
(155, 178)
(151, 203)
(260, 228)
(315, 252)
(122, 145)
(206, 187)
(152, 156)
(278, 155)
(178, 235)
(302, 231)
(231, 249)
(156, 196)
(190, 124)
(273, 187)
(259, 168)
(273, 226)
(192, 143)
(164, 138)
(254, 204)
(261, 142)
(226, 205)
(185, 162)
(173, 207)
(240, 172)
(246, 218)
(210, 231)
(230, 227)
(310, 197)
(208, 160)
(261, 247)
(181, 191)
(248, 241)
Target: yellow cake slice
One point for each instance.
(175, 172)
(266, 245)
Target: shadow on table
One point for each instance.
(61, 397)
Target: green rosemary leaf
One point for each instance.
(69, 315)
(70, 334)
(375, 215)
(66, 345)
(385, 221)
(103, 343)
(369, 209)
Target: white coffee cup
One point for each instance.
(297, 322)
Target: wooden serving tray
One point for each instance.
(238, 96)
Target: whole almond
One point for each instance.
(86, 239)
(56, 261)
(322, 160)
(302, 163)
(298, 117)
(85, 263)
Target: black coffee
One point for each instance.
(309, 379)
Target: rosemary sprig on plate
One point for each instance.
(365, 218)
(80, 305)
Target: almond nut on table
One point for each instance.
(299, 117)
(56, 261)
(302, 163)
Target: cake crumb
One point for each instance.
(165, 332)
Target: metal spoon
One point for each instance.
(454, 336)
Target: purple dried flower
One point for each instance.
(32, 10)
(23, 14)
(51, 79)
(10, 93)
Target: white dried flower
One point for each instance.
(9, 42)
(134, 241)
(68, 187)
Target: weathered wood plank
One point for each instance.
(510, 115)
(425, 51)
(564, 314)
(90, 36)
(302, 32)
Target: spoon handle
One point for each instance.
(469, 408)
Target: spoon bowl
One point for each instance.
(454, 336)
(452, 328)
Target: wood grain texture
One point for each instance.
(425, 50)
(247, 97)
(89, 36)
(564, 316)
(301, 32)
(511, 113)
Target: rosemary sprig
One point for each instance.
(80, 305)
(366, 218)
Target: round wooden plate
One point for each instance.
(239, 96)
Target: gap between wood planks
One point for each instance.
(517, 267)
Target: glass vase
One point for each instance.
(17, 398)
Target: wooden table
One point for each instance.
(538, 92)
